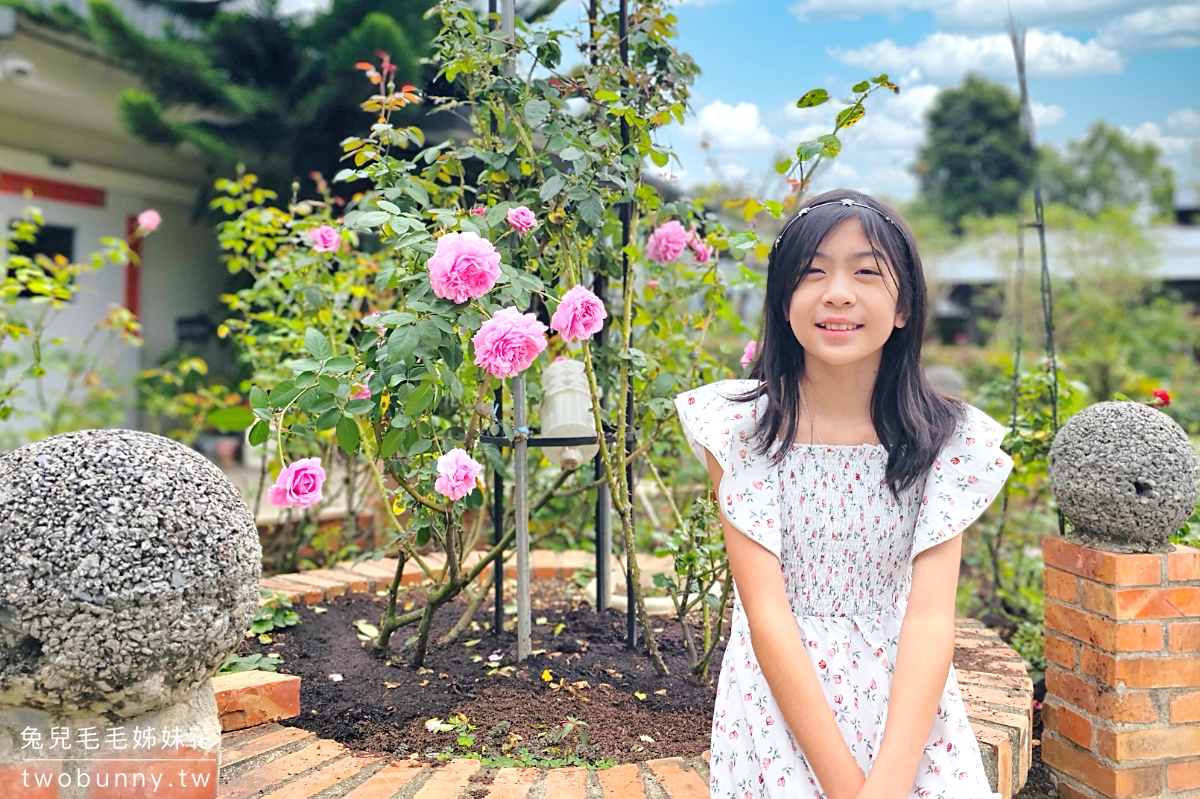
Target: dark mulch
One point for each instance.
(383, 707)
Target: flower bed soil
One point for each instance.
(382, 708)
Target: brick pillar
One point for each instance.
(1122, 710)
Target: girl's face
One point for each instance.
(850, 283)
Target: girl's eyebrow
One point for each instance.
(855, 256)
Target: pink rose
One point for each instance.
(509, 342)
(579, 315)
(464, 267)
(360, 391)
(748, 353)
(700, 251)
(324, 239)
(522, 219)
(457, 472)
(652, 284)
(666, 242)
(298, 485)
(479, 210)
(149, 220)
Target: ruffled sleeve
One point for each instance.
(749, 492)
(968, 474)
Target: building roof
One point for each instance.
(986, 261)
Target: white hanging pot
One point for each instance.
(566, 411)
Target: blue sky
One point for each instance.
(1133, 63)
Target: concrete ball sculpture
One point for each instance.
(129, 569)
(1126, 475)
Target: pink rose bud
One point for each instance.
(580, 315)
(360, 391)
(324, 239)
(298, 485)
(464, 267)
(700, 251)
(509, 342)
(479, 210)
(748, 353)
(522, 219)
(666, 242)
(457, 473)
(149, 220)
(652, 284)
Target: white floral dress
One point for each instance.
(845, 546)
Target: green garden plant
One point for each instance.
(68, 384)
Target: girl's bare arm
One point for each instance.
(922, 665)
(784, 662)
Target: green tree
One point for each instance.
(1106, 169)
(257, 87)
(975, 159)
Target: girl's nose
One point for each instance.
(838, 291)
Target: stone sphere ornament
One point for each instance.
(129, 569)
(1126, 475)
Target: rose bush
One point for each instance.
(488, 239)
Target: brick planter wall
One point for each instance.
(1123, 688)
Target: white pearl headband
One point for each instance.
(846, 202)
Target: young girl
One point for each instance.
(843, 481)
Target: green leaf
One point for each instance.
(339, 364)
(259, 433)
(607, 96)
(880, 80)
(536, 111)
(591, 211)
(848, 116)
(231, 420)
(783, 166)
(316, 344)
(659, 158)
(552, 187)
(402, 342)
(258, 398)
(391, 442)
(305, 365)
(355, 407)
(859, 88)
(328, 419)
(571, 154)
(419, 400)
(812, 99)
(833, 145)
(371, 219)
(809, 149)
(347, 435)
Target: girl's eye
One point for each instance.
(870, 271)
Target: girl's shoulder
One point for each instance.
(713, 417)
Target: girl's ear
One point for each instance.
(901, 320)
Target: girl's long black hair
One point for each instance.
(912, 419)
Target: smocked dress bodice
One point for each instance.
(845, 543)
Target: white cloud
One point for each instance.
(730, 127)
(1154, 29)
(980, 14)
(1045, 116)
(946, 56)
(1179, 139)
(1184, 122)
(734, 173)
